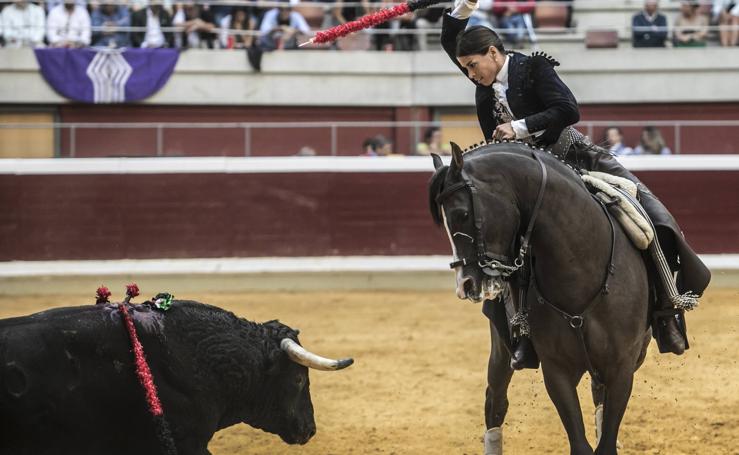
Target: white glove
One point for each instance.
(464, 8)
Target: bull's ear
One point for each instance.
(457, 158)
(437, 161)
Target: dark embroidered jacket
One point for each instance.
(535, 91)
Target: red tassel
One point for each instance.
(132, 290)
(368, 21)
(142, 368)
(102, 295)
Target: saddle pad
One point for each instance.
(623, 183)
(637, 228)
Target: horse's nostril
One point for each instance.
(468, 286)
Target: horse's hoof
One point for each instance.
(494, 441)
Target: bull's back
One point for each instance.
(67, 373)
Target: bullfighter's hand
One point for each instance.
(504, 131)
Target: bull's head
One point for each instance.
(289, 410)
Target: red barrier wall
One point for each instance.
(47, 217)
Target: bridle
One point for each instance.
(490, 263)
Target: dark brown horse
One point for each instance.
(589, 292)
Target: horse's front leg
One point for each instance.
(618, 392)
(496, 394)
(561, 382)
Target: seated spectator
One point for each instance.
(154, 18)
(726, 13)
(68, 25)
(240, 18)
(651, 143)
(23, 24)
(691, 28)
(511, 22)
(198, 26)
(433, 143)
(614, 139)
(281, 28)
(109, 15)
(649, 27)
(369, 147)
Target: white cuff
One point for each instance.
(519, 127)
(464, 9)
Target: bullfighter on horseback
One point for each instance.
(521, 97)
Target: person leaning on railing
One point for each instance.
(691, 27)
(649, 27)
(68, 25)
(111, 16)
(154, 18)
(23, 24)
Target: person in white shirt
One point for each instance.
(68, 25)
(23, 24)
(280, 28)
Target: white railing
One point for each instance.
(413, 131)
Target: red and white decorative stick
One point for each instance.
(370, 20)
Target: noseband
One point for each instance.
(491, 263)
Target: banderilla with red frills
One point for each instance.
(370, 20)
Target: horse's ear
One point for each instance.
(457, 156)
(437, 161)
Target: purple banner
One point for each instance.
(107, 75)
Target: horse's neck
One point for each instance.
(571, 241)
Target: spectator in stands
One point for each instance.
(341, 14)
(651, 143)
(726, 13)
(198, 26)
(649, 27)
(369, 147)
(427, 18)
(281, 28)
(110, 15)
(433, 143)
(615, 141)
(51, 4)
(241, 19)
(68, 25)
(483, 15)
(154, 18)
(23, 24)
(511, 20)
(691, 28)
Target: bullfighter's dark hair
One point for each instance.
(477, 40)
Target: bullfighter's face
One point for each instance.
(483, 68)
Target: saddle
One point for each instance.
(619, 195)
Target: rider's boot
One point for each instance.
(524, 355)
(668, 327)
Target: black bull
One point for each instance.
(69, 383)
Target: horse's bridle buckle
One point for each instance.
(576, 322)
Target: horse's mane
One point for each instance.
(498, 150)
(493, 151)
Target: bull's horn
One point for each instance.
(302, 356)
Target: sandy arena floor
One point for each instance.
(418, 383)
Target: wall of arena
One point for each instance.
(256, 207)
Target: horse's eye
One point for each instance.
(465, 215)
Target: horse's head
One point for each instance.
(481, 218)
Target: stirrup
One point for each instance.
(660, 327)
(524, 355)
